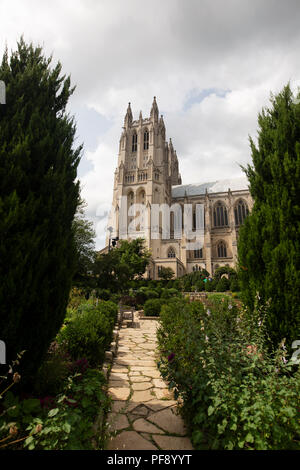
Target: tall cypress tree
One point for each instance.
(38, 199)
(269, 245)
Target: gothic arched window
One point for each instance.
(171, 253)
(222, 251)
(134, 142)
(146, 140)
(198, 253)
(220, 215)
(240, 212)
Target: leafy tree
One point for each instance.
(38, 199)
(115, 269)
(84, 235)
(166, 273)
(269, 240)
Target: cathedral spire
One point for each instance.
(154, 110)
(128, 117)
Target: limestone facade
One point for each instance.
(148, 174)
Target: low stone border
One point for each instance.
(148, 318)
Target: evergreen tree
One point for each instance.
(38, 200)
(269, 245)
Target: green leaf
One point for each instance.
(249, 437)
(53, 412)
(210, 410)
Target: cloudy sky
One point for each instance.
(211, 64)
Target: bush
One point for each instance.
(210, 286)
(234, 285)
(103, 294)
(89, 333)
(53, 372)
(152, 307)
(222, 285)
(68, 424)
(234, 394)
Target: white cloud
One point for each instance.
(120, 51)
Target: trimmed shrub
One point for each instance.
(210, 286)
(222, 285)
(152, 307)
(234, 285)
(89, 333)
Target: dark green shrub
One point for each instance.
(103, 294)
(222, 285)
(152, 294)
(210, 286)
(152, 307)
(234, 285)
(89, 333)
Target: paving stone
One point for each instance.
(130, 440)
(141, 397)
(140, 378)
(120, 393)
(118, 383)
(162, 393)
(117, 422)
(173, 443)
(157, 405)
(159, 383)
(142, 386)
(118, 376)
(118, 406)
(140, 410)
(142, 425)
(168, 420)
(153, 373)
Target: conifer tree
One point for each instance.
(38, 199)
(269, 244)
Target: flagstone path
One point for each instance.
(144, 413)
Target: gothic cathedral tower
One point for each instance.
(147, 169)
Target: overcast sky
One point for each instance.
(211, 64)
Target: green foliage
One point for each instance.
(194, 279)
(68, 426)
(234, 285)
(269, 241)
(89, 333)
(235, 395)
(38, 199)
(166, 273)
(210, 286)
(116, 269)
(222, 285)
(84, 236)
(232, 274)
(53, 372)
(152, 307)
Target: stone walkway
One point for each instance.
(143, 415)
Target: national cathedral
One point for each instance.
(148, 174)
